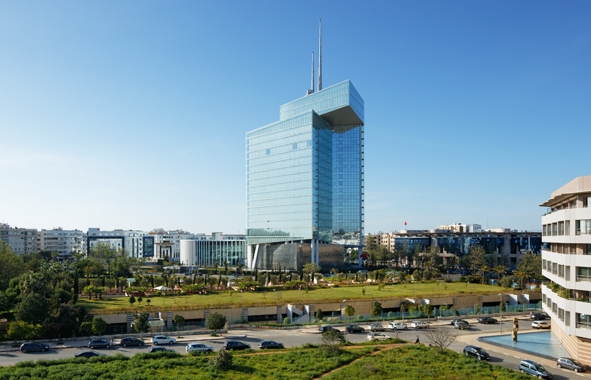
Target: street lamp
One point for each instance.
(501, 312)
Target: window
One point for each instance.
(561, 271)
(583, 274)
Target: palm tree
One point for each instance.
(483, 270)
(500, 270)
(521, 275)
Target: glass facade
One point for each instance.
(304, 173)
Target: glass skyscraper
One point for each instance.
(304, 175)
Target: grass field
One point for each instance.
(281, 297)
(385, 362)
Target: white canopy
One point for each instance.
(162, 287)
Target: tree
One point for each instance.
(476, 258)
(222, 361)
(131, 300)
(178, 321)
(99, 326)
(349, 311)
(32, 309)
(332, 339)
(376, 309)
(531, 265)
(215, 321)
(141, 322)
(20, 330)
(500, 270)
(312, 268)
(319, 315)
(440, 337)
(12, 265)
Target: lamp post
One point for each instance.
(501, 312)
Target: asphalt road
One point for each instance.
(291, 338)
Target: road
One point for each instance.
(295, 338)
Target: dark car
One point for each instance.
(326, 328)
(87, 354)
(161, 349)
(351, 329)
(236, 345)
(476, 352)
(538, 316)
(573, 364)
(270, 344)
(487, 320)
(33, 347)
(99, 343)
(453, 321)
(131, 342)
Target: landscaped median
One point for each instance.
(306, 363)
(276, 297)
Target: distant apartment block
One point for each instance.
(20, 240)
(138, 244)
(566, 265)
(503, 242)
(217, 248)
(167, 244)
(63, 242)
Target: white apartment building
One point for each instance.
(138, 244)
(20, 240)
(167, 244)
(566, 265)
(217, 248)
(63, 242)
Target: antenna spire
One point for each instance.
(320, 57)
(312, 72)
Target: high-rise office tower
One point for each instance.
(304, 177)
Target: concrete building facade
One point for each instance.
(63, 242)
(20, 240)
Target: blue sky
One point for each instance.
(133, 115)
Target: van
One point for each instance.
(534, 369)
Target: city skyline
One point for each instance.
(133, 116)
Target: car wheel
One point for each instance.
(558, 365)
(44, 349)
(406, 328)
(141, 344)
(465, 353)
(155, 343)
(24, 351)
(92, 347)
(576, 370)
(124, 345)
(171, 342)
(375, 340)
(479, 358)
(540, 377)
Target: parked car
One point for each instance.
(270, 344)
(236, 345)
(128, 341)
(99, 343)
(198, 347)
(538, 316)
(162, 339)
(487, 320)
(326, 328)
(453, 321)
(540, 325)
(461, 325)
(397, 326)
(160, 349)
(573, 364)
(351, 329)
(419, 325)
(33, 347)
(378, 336)
(476, 352)
(87, 354)
(376, 327)
(534, 369)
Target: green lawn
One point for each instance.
(402, 362)
(281, 297)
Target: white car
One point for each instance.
(162, 339)
(540, 325)
(378, 336)
(198, 347)
(397, 326)
(376, 327)
(419, 325)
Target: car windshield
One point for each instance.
(480, 350)
(541, 368)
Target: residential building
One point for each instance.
(63, 242)
(20, 240)
(566, 265)
(167, 244)
(305, 181)
(209, 250)
(138, 244)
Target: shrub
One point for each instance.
(286, 321)
(222, 361)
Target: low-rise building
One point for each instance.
(217, 248)
(138, 244)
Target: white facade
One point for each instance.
(139, 244)
(217, 248)
(63, 242)
(566, 262)
(167, 244)
(20, 240)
